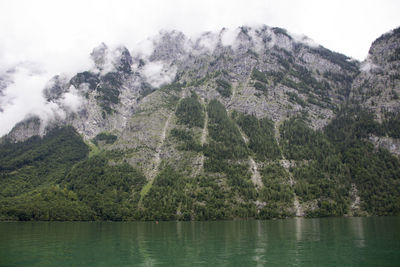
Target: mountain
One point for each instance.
(378, 87)
(250, 123)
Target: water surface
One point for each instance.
(371, 241)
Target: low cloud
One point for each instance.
(157, 73)
(23, 98)
(257, 41)
(44, 33)
(229, 36)
(208, 42)
(301, 38)
(143, 49)
(72, 99)
(368, 66)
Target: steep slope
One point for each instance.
(377, 88)
(235, 124)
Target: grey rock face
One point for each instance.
(272, 74)
(391, 144)
(110, 98)
(99, 55)
(169, 46)
(26, 129)
(378, 85)
(56, 87)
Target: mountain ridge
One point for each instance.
(262, 125)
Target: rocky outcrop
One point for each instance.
(26, 129)
(377, 87)
(127, 108)
(272, 73)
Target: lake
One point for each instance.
(373, 241)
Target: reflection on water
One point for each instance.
(358, 230)
(303, 242)
(260, 246)
(298, 226)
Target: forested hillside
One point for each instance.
(265, 127)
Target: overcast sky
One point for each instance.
(57, 35)
(36, 29)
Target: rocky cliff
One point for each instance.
(244, 115)
(377, 87)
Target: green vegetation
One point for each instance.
(106, 138)
(300, 78)
(260, 86)
(391, 124)
(175, 197)
(190, 112)
(342, 79)
(227, 143)
(146, 89)
(28, 168)
(330, 161)
(224, 88)
(108, 94)
(92, 190)
(109, 192)
(163, 198)
(343, 61)
(314, 101)
(186, 140)
(225, 154)
(351, 125)
(388, 35)
(307, 83)
(259, 76)
(51, 203)
(52, 178)
(375, 171)
(395, 95)
(294, 98)
(395, 56)
(252, 53)
(261, 136)
(108, 91)
(24, 166)
(125, 61)
(320, 175)
(276, 192)
(208, 200)
(85, 77)
(277, 30)
(175, 86)
(246, 168)
(299, 142)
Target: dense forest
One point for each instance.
(55, 177)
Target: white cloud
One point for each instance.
(229, 36)
(58, 36)
(143, 48)
(301, 38)
(72, 100)
(258, 42)
(157, 74)
(208, 41)
(367, 65)
(24, 97)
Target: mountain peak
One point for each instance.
(243, 123)
(386, 49)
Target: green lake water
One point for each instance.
(373, 241)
